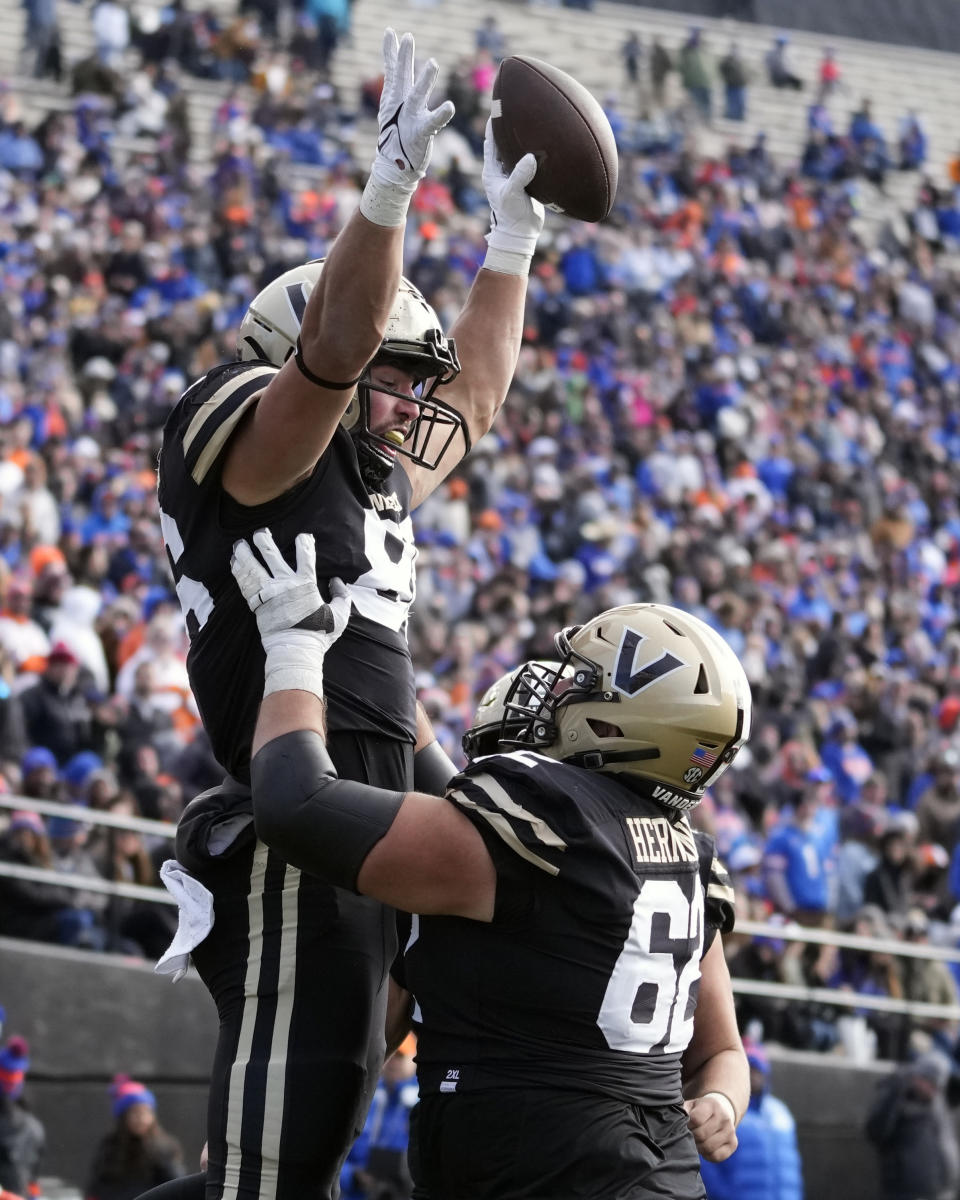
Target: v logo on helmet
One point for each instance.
(297, 294)
(629, 682)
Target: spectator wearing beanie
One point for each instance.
(137, 1153)
(39, 774)
(56, 709)
(910, 1125)
(28, 909)
(22, 1135)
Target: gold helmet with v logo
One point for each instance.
(645, 690)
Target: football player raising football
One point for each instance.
(576, 1029)
(347, 405)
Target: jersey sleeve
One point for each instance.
(208, 413)
(515, 810)
(719, 900)
(507, 808)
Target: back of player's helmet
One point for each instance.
(644, 690)
(413, 340)
(271, 325)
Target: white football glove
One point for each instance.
(516, 219)
(405, 132)
(296, 626)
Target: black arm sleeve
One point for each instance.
(433, 769)
(313, 819)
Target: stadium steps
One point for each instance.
(40, 96)
(587, 44)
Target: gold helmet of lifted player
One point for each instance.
(413, 340)
(645, 690)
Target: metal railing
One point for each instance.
(840, 997)
(790, 931)
(88, 816)
(844, 999)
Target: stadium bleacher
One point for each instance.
(587, 44)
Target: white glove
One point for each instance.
(515, 218)
(405, 133)
(296, 627)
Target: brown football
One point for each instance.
(539, 109)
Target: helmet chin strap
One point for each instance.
(374, 466)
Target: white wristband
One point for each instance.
(386, 203)
(507, 262)
(727, 1101)
(294, 662)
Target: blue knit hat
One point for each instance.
(36, 759)
(14, 1062)
(125, 1092)
(756, 1055)
(79, 769)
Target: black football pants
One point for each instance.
(298, 970)
(547, 1144)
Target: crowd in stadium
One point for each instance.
(727, 400)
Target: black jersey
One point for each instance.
(587, 977)
(364, 538)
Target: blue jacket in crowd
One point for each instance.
(766, 1163)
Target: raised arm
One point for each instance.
(414, 851)
(345, 316)
(489, 330)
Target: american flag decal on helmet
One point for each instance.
(703, 757)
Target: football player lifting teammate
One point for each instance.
(575, 1020)
(348, 404)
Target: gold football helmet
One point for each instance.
(645, 690)
(413, 340)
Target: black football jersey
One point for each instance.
(364, 538)
(587, 977)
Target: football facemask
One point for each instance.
(644, 690)
(412, 340)
(494, 728)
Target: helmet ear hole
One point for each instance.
(604, 729)
(352, 414)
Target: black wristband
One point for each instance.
(314, 820)
(433, 769)
(315, 379)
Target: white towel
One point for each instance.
(195, 903)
